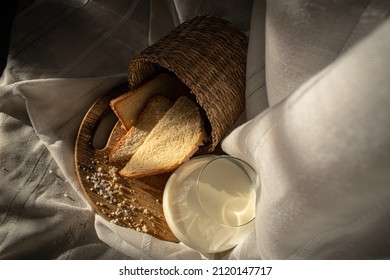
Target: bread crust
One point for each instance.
(182, 120)
(137, 175)
(150, 109)
(129, 106)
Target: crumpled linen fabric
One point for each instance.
(315, 127)
(322, 155)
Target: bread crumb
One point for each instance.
(106, 182)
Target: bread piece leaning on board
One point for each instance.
(174, 139)
(129, 106)
(134, 138)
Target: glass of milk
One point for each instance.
(209, 202)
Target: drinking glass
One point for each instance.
(209, 202)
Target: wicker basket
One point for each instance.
(208, 54)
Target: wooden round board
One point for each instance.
(132, 203)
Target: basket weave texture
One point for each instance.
(208, 54)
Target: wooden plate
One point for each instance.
(132, 203)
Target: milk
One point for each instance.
(216, 214)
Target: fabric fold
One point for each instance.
(322, 156)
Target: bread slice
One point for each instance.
(134, 138)
(129, 106)
(175, 138)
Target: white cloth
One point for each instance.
(318, 93)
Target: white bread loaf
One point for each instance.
(134, 138)
(175, 138)
(129, 106)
